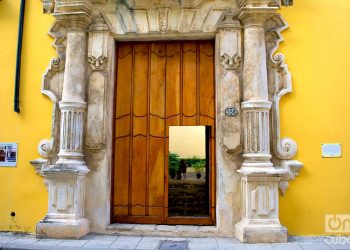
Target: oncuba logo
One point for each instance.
(337, 223)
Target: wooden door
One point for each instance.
(158, 84)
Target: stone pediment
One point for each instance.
(167, 16)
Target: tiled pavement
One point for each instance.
(100, 242)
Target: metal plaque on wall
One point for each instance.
(331, 150)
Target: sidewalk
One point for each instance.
(100, 242)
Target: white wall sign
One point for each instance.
(8, 154)
(331, 150)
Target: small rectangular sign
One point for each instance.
(8, 154)
(331, 150)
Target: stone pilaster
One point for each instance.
(228, 121)
(66, 178)
(259, 179)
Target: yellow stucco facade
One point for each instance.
(316, 51)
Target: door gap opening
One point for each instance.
(188, 185)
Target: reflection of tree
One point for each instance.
(174, 161)
(195, 161)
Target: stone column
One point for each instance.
(66, 179)
(259, 179)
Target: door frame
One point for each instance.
(227, 131)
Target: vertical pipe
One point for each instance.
(19, 55)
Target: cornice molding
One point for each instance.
(265, 3)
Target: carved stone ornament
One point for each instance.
(263, 200)
(80, 82)
(48, 6)
(230, 62)
(163, 19)
(143, 17)
(52, 84)
(97, 51)
(280, 84)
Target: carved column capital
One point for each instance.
(255, 17)
(229, 20)
(257, 12)
(75, 14)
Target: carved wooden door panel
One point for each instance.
(158, 84)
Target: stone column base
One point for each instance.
(62, 228)
(261, 233)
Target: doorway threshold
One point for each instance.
(162, 230)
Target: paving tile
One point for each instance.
(314, 245)
(47, 242)
(287, 246)
(232, 247)
(24, 240)
(305, 238)
(339, 246)
(229, 244)
(7, 239)
(228, 241)
(72, 243)
(89, 236)
(258, 246)
(98, 244)
(173, 245)
(202, 244)
(149, 242)
(106, 237)
(176, 239)
(202, 240)
(126, 242)
(338, 242)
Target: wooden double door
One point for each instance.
(158, 84)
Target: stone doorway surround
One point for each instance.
(252, 160)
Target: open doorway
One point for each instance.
(188, 186)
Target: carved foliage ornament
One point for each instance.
(163, 19)
(230, 62)
(97, 50)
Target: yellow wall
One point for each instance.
(317, 51)
(21, 190)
